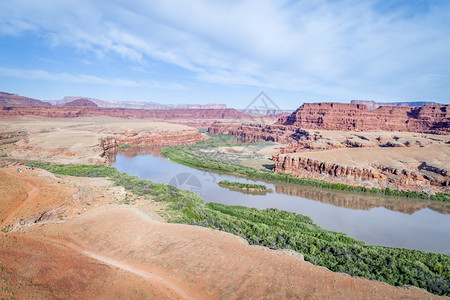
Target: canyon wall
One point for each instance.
(183, 116)
(433, 119)
(425, 178)
(357, 117)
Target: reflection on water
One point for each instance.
(375, 219)
(362, 201)
(248, 192)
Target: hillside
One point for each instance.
(81, 102)
(7, 99)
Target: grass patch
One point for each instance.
(250, 187)
(193, 156)
(123, 146)
(285, 230)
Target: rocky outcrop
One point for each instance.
(109, 147)
(251, 132)
(357, 117)
(51, 214)
(7, 137)
(161, 138)
(377, 176)
(81, 102)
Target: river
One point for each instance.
(377, 220)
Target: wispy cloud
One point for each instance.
(66, 77)
(86, 79)
(339, 48)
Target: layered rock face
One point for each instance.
(357, 117)
(379, 177)
(72, 112)
(251, 131)
(207, 116)
(109, 146)
(159, 138)
(434, 119)
(384, 171)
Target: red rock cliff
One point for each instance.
(376, 176)
(356, 117)
(171, 115)
(433, 119)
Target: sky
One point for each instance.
(199, 51)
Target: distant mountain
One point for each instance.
(374, 105)
(266, 112)
(7, 99)
(81, 102)
(138, 105)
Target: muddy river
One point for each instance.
(377, 220)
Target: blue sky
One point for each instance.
(226, 51)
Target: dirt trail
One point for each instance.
(210, 264)
(170, 289)
(33, 268)
(32, 193)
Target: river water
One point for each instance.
(377, 220)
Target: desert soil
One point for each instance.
(98, 248)
(78, 140)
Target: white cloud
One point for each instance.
(86, 79)
(337, 48)
(66, 77)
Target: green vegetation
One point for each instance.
(193, 156)
(279, 229)
(2, 150)
(123, 146)
(245, 186)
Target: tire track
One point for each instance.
(170, 289)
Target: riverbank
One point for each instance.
(193, 156)
(283, 230)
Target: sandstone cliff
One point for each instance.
(434, 119)
(422, 177)
(357, 117)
